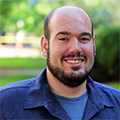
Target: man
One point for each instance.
(64, 90)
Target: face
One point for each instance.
(70, 53)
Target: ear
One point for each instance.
(44, 45)
(94, 49)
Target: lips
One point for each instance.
(74, 61)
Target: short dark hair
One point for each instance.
(47, 27)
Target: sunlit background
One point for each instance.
(21, 26)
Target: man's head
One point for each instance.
(68, 44)
(47, 24)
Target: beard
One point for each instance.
(73, 79)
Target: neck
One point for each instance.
(59, 88)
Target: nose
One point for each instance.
(74, 46)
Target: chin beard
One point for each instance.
(69, 79)
(73, 79)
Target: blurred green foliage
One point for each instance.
(108, 47)
(30, 14)
(107, 54)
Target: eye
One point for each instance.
(63, 39)
(84, 39)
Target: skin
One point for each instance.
(70, 34)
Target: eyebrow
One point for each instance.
(68, 33)
(86, 33)
(64, 33)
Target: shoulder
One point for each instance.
(13, 96)
(110, 92)
(15, 87)
(106, 88)
(18, 84)
(102, 87)
(23, 85)
(104, 91)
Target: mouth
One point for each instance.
(74, 61)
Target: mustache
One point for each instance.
(74, 55)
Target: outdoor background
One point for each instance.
(21, 26)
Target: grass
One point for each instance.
(13, 78)
(22, 63)
(114, 85)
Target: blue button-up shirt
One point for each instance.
(32, 99)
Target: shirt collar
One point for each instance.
(39, 93)
(97, 95)
(97, 100)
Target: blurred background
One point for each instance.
(21, 26)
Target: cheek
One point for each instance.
(87, 50)
(57, 51)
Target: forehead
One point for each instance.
(72, 20)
